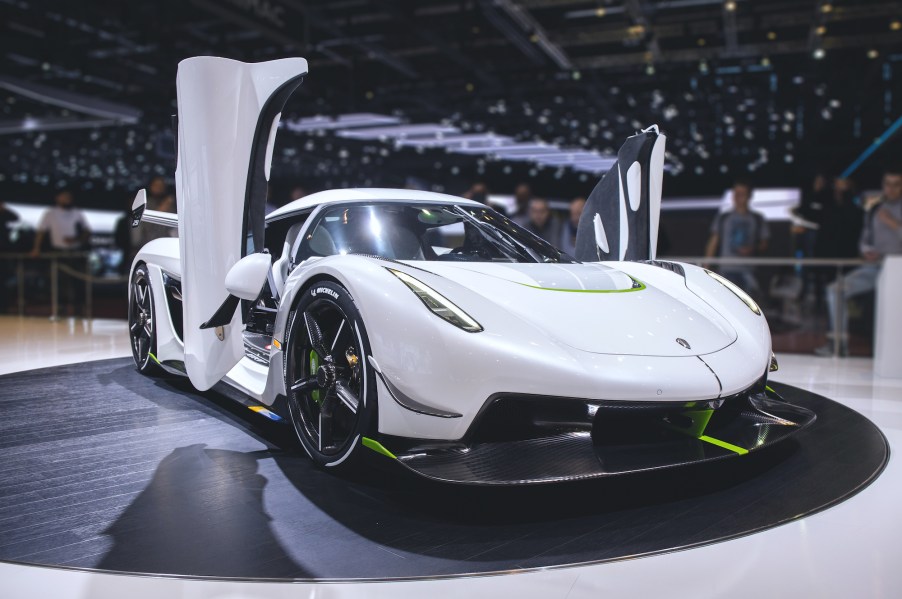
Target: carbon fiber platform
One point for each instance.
(108, 470)
(620, 444)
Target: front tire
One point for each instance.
(329, 382)
(142, 321)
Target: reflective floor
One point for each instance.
(850, 550)
(27, 343)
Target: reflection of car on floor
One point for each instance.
(432, 329)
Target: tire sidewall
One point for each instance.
(367, 419)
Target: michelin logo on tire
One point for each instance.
(326, 290)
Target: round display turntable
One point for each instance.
(109, 470)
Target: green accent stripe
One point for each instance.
(724, 444)
(768, 388)
(153, 357)
(700, 419)
(378, 447)
(639, 288)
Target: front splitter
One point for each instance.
(628, 444)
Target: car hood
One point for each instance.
(596, 308)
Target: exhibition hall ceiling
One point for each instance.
(772, 87)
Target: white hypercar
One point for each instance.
(432, 329)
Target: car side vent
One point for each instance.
(671, 266)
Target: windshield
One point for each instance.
(444, 232)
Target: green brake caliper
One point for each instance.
(314, 366)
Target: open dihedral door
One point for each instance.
(228, 113)
(621, 216)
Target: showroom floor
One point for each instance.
(851, 549)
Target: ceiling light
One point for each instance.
(819, 54)
(827, 8)
(821, 30)
(730, 6)
(872, 54)
(600, 12)
(895, 25)
(771, 35)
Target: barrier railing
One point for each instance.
(59, 263)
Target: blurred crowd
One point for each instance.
(535, 214)
(833, 220)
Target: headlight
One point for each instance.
(438, 303)
(746, 299)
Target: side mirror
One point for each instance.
(138, 207)
(246, 278)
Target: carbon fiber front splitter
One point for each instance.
(620, 441)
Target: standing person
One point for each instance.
(881, 236)
(739, 233)
(815, 199)
(68, 232)
(158, 194)
(840, 222)
(568, 230)
(542, 222)
(478, 192)
(7, 217)
(839, 230)
(807, 217)
(522, 196)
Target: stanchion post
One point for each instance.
(20, 284)
(839, 330)
(89, 287)
(54, 289)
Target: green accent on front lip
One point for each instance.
(724, 444)
(768, 388)
(700, 419)
(153, 357)
(639, 288)
(378, 447)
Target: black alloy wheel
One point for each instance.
(329, 382)
(142, 321)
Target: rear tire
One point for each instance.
(142, 321)
(329, 382)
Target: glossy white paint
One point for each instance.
(158, 217)
(331, 196)
(849, 550)
(601, 239)
(572, 304)
(220, 102)
(655, 192)
(246, 278)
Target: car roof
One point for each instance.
(373, 193)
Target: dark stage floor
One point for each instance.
(106, 469)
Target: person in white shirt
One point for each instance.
(65, 224)
(68, 231)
